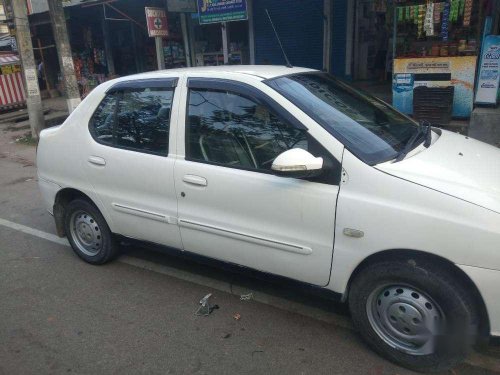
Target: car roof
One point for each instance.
(261, 71)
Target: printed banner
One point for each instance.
(213, 11)
(182, 6)
(489, 72)
(457, 71)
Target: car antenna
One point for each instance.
(288, 65)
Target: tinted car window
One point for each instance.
(232, 130)
(101, 124)
(143, 120)
(371, 129)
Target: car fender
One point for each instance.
(391, 213)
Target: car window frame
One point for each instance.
(118, 89)
(91, 127)
(253, 93)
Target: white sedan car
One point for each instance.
(291, 172)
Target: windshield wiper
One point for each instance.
(424, 128)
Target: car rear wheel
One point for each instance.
(88, 232)
(414, 313)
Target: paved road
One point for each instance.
(60, 315)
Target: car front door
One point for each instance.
(231, 207)
(129, 164)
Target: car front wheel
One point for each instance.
(414, 313)
(88, 232)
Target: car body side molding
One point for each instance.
(292, 248)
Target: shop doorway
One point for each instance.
(221, 43)
(123, 41)
(238, 43)
(372, 47)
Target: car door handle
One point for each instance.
(195, 180)
(96, 160)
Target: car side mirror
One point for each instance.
(297, 163)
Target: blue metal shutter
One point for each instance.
(300, 26)
(339, 37)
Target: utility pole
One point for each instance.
(185, 39)
(160, 57)
(107, 48)
(25, 47)
(327, 34)
(225, 48)
(60, 31)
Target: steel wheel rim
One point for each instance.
(405, 318)
(86, 233)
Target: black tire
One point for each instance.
(450, 295)
(108, 248)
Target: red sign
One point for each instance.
(157, 22)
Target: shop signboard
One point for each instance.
(157, 22)
(489, 71)
(10, 69)
(182, 6)
(213, 11)
(457, 71)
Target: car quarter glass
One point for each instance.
(368, 127)
(102, 122)
(137, 119)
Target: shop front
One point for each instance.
(87, 45)
(174, 51)
(221, 33)
(369, 46)
(12, 93)
(199, 33)
(421, 55)
(372, 43)
(108, 40)
(111, 39)
(436, 49)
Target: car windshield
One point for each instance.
(371, 129)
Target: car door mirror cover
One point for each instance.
(297, 163)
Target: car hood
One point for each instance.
(455, 165)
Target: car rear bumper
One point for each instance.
(488, 284)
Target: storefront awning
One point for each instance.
(41, 6)
(9, 59)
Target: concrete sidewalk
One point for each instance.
(15, 134)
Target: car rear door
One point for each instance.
(231, 207)
(129, 162)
